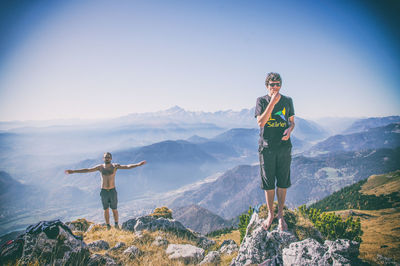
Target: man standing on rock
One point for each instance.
(108, 193)
(275, 117)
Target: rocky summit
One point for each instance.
(151, 223)
(260, 246)
(61, 249)
(283, 248)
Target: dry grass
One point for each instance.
(152, 255)
(382, 184)
(234, 235)
(112, 236)
(381, 233)
(305, 229)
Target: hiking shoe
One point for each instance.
(116, 226)
(108, 227)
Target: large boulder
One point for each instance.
(260, 246)
(64, 249)
(310, 252)
(185, 253)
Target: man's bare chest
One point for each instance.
(107, 171)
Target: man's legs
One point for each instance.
(107, 216)
(115, 214)
(269, 197)
(281, 195)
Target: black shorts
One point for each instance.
(275, 166)
(109, 198)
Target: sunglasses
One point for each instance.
(275, 84)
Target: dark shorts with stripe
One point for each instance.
(109, 198)
(275, 167)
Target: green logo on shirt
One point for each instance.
(272, 123)
(282, 114)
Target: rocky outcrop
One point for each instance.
(212, 257)
(97, 260)
(132, 252)
(260, 246)
(204, 242)
(154, 224)
(65, 249)
(282, 248)
(150, 223)
(228, 247)
(99, 245)
(310, 252)
(185, 253)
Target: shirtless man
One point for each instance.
(108, 193)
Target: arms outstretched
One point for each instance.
(130, 166)
(85, 170)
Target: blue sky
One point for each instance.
(97, 59)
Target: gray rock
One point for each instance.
(212, 257)
(204, 242)
(99, 245)
(132, 252)
(159, 241)
(344, 247)
(386, 261)
(186, 253)
(97, 259)
(65, 250)
(11, 252)
(117, 246)
(228, 247)
(310, 252)
(151, 223)
(260, 246)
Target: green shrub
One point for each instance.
(332, 226)
(244, 220)
(222, 231)
(162, 212)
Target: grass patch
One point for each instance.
(381, 233)
(382, 184)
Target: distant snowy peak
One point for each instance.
(176, 114)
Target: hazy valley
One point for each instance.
(211, 163)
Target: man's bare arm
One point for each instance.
(264, 117)
(85, 170)
(130, 166)
(288, 131)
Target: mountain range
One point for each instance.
(35, 156)
(200, 219)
